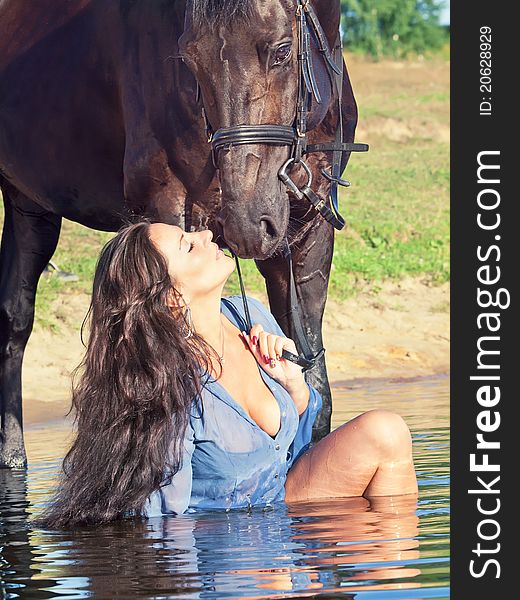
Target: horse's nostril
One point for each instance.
(267, 227)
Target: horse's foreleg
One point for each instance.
(29, 238)
(312, 257)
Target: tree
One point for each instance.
(392, 27)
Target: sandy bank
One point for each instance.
(403, 331)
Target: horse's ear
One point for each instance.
(329, 15)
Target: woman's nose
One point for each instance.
(203, 237)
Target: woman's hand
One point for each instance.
(267, 348)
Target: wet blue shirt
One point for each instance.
(229, 461)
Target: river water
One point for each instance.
(392, 548)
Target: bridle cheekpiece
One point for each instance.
(295, 136)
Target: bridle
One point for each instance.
(295, 136)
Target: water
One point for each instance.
(391, 549)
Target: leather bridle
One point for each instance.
(295, 136)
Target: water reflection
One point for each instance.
(15, 554)
(350, 547)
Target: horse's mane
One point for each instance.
(219, 12)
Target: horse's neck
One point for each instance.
(329, 15)
(24, 24)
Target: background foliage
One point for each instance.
(394, 28)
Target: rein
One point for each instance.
(295, 136)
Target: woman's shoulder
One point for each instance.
(258, 311)
(252, 303)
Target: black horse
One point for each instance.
(105, 113)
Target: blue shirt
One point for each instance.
(228, 460)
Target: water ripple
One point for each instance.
(388, 548)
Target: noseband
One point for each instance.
(295, 136)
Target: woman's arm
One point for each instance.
(303, 437)
(300, 395)
(174, 494)
(297, 388)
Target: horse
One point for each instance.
(185, 112)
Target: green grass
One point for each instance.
(397, 209)
(398, 218)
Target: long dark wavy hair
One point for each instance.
(133, 390)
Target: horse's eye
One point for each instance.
(281, 54)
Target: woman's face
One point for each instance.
(196, 265)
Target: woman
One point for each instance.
(179, 408)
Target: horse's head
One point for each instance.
(244, 55)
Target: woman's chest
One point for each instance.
(228, 441)
(245, 385)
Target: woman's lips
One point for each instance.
(219, 251)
